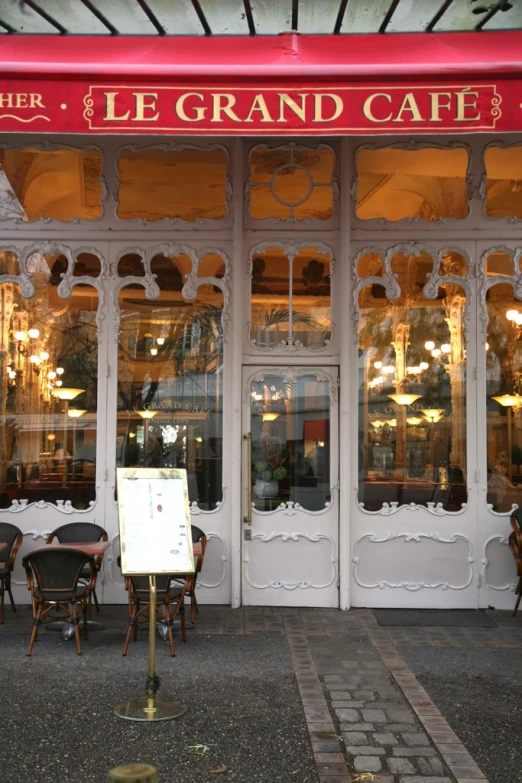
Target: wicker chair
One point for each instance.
(170, 602)
(13, 537)
(190, 580)
(53, 577)
(81, 532)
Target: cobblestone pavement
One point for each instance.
(364, 709)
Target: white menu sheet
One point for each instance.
(154, 522)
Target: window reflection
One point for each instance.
(290, 425)
(292, 182)
(412, 391)
(48, 397)
(504, 397)
(394, 184)
(504, 182)
(170, 380)
(189, 184)
(290, 302)
(60, 184)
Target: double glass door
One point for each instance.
(291, 503)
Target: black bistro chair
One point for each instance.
(190, 580)
(53, 577)
(170, 602)
(81, 533)
(13, 537)
(515, 544)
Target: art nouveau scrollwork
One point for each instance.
(411, 305)
(325, 565)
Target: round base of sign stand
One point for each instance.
(138, 709)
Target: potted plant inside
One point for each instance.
(266, 479)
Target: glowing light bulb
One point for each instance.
(51, 375)
(20, 336)
(34, 333)
(60, 370)
(153, 351)
(436, 353)
(424, 365)
(429, 345)
(377, 365)
(445, 348)
(160, 340)
(511, 315)
(44, 356)
(34, 359)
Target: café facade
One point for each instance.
(289, 265)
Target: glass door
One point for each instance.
(291, 504)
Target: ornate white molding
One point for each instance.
(416, 538)
(290, 375)
(388, 509)
(223, 559)
(292, 537)
(63, 506)
(485, 562)
(290, 509)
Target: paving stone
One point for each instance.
(415, 740)
(348, 716)
(400, 716)
(411, 752)
(340, 695)
(472, 772)
(346, 704)
(357, 727)
(374, 716)
(355, 750)
(366, 695)
(367, 764)
(355, 738)
(429, 766)
(385, 738)
(423, 779)
(398, 766)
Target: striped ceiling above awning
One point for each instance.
(254, 17)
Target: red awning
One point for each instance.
(288, 56)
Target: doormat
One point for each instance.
(435, 618)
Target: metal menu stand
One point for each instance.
(155, 538)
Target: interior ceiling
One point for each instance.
(255, 17)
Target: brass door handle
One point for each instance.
(247, 519)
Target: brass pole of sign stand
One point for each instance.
(150, 708)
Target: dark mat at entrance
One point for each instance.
(442, 618)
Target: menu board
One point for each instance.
(155, 532)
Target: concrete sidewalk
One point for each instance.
(296, 696)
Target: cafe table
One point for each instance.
(95, 548)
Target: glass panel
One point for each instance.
(87, 265)
(290, 426)
(9, 263)
(311, 298)
(292, 183)
(189, 184)
(394, 184)
(412, 385)
(170, 387)
(370, 265)
(290, 301)
(60, 184)
(269, 319)
(504, 182)
(48, 387)
(211, 265)
(499, 264)
(504, 397)
(131, 264)
(453, 264)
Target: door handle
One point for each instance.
(247, 519)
